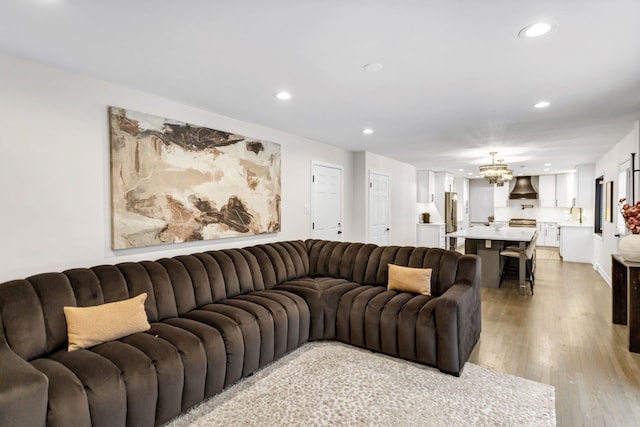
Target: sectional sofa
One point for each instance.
(216, 317)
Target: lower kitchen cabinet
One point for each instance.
(548, 234)
(431, 235)
(576, 243)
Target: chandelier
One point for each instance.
(496, 173)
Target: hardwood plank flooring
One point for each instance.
(563, 336)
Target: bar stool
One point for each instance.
(513, 252)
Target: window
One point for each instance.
(599, 207)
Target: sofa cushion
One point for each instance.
(400, 324)
(321, 295)
(409, 279)
(89, 326)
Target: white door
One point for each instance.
(326, 209)
(378, 208)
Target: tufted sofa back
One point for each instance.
(31, 311)
(367, 264)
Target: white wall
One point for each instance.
(403, 196)
(54, 171)
(608, 167)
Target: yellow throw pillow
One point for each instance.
(89, 326)
(408, 279)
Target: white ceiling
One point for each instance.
(457, 80)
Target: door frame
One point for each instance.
(377, 172)
(315, 163)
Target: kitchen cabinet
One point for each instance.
(501, 196)
(565, 190)
(548, 234)
(426, 186)
(444, 182)
(576, 242)
(547, 191)
(584, 185)
(461, 226)
(431, 235)
(462, 188)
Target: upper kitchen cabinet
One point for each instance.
(444, 182)
(584, 185)
(501, 196)
(565, 190)
(426, 186)
(547, 191)
(462, 188)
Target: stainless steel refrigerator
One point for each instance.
(451, 211)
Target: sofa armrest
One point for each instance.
(23, 390)
(458, 326)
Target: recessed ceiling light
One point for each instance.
(536, 30)
(546, 169)
(283, 95)
(469, 173)
(541, 104)
(547, 164)
(373, 67)
(367, 131)
(460, 170)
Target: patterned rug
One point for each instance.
(547, 253)
(329, 383)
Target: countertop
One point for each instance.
(575, 224)
(489, 233)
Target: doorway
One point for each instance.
(378, 208)
(326, 201)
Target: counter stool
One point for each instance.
(513, 252)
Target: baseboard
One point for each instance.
(603, 273)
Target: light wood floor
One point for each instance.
(563, 336)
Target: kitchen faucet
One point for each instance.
(571, 212)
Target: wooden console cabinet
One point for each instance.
(625, 287)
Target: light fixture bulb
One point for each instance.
(541, 104)
(373, 67)
(283, 95)
(536, 30)
(367, 131)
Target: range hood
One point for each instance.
(523, 189)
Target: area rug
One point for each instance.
(547, 253)
(333, 384)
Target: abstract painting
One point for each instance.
(175, 182)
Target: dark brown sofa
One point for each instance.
(217, 317)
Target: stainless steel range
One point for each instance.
(522, 222)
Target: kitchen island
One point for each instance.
(487, 242)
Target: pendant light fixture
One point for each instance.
(496, 173)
